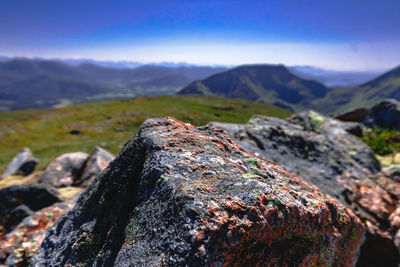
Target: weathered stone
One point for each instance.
(178, 195)
(64, 169)
(19, 201)
(385, 114)
(22, 164)
(320, 150)
(96, 162)
(21, 244)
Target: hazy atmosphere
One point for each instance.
(339, 35)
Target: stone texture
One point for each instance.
(321, 151)
(20, 201)
(178, 195)
(21, 244)
(95, 163)
(22, 164)
(385, 114)
(64, 169)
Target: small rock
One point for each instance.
(64, 169)
(22, 164)
(96, 162)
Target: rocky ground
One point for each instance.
(304, 191)
(30, 204)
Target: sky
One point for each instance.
(332, 34)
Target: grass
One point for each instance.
(382, 142)
(111, 123)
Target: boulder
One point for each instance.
(21, 244)
(178, 195)
(354, 115)
(321, 151)
(20, 201)
(96, 162)
(64, 169)
(385, 114)
(22, 164)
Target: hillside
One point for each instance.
(26, 83)
(365, 95)
(272, 84)
(110, 124)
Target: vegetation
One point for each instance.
(110, 124)
(381, 141)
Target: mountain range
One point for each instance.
(275, 84)
(26, 83)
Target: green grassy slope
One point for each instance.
(110, 124)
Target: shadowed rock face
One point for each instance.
(179, 195)
(321, 151)
(22, 164)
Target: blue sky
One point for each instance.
(343, 35)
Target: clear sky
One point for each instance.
(334, 34)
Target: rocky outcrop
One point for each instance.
(321, 151)
(95, 163)
(20, 201)
(21, 244)
(178, 195)
(385, 114)
(64, 169)
(22, 164)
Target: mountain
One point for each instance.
(36, 83)
(332, 77)
(272, 84)
(365, 95)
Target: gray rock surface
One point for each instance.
(22, 164)
(95, 163)
(178, 196)
(64, 169)
(385, 114)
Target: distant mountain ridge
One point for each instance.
(272, 84)
(26, 83)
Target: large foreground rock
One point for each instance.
(20, 201)
(178, 195)
(322, 151)
(22, 164)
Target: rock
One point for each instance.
(96, 162)
(354, 115)
(22, 164)
(178, 195)
(64, 169)
(21, 244)
(322, 152)
(385, 114)
(312, 121)
(19, 201)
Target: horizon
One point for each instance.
(333, 35)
